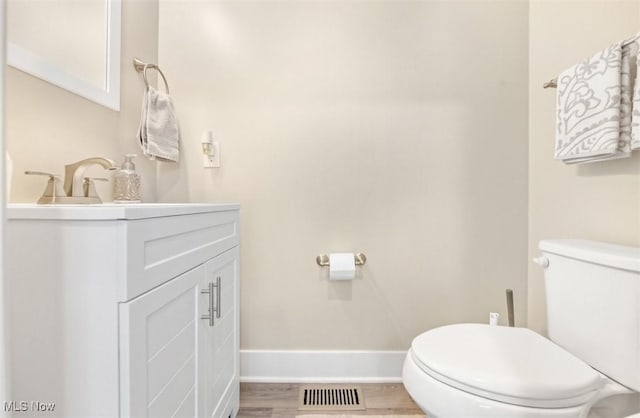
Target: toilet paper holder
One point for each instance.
(323, 259)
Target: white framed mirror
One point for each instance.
(74, 44)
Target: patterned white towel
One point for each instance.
(635, 118)
(589, 109)
(627, 80)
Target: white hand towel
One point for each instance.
(589, 109)
(158, 131)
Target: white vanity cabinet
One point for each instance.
(110, 309)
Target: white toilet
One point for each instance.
(589, 366)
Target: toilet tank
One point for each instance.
(593, 304)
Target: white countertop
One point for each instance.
(112, 211)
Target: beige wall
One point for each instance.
(48, 127)
(398, 129)
(599, 201)
(379, 127)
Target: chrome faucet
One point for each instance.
(77, 188)
(74, 174)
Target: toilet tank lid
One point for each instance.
(618, 256)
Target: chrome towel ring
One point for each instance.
(142, 67)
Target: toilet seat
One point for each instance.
(509, 365)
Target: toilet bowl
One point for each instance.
(477, 370)
(592, 353)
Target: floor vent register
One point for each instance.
(330, 398)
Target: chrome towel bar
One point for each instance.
(553, 83)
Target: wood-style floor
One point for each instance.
(280, 400)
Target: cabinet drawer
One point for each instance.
(159, 249)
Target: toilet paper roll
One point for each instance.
(342, 266)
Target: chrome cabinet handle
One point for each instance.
(218, 297)
(210, 293)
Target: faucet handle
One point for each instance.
(89, 186)
(54, 189)
(41, 173)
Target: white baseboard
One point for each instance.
(321, 366)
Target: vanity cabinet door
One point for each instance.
(159, 350)
(219, 362)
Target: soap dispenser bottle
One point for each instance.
(127, 182)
